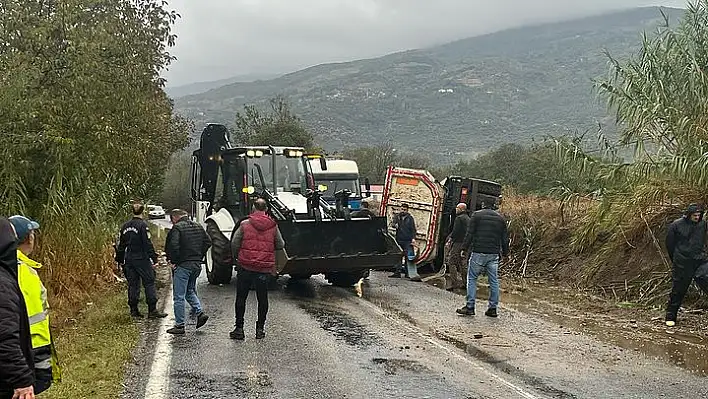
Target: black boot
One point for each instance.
(135, 313)
(155, 314)
(176, 330)
(260, 332)
(465, 311)
(237, 333)
(491, 312)
(201, 319)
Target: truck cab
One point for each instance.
(341, 174)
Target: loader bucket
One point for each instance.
(338, 246)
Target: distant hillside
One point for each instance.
(201, 87)
(463, 97)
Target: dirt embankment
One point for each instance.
(629, 278)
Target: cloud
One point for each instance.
(223, 38)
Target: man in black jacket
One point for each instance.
(137, 255)
(685, 243)
(16, 363)
(405, 235)
(454, 246)
(487, 237)
(186, 245)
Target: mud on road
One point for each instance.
(392, 338)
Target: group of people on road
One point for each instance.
(475, 244)
(254, 244)
(28, 359)
(185, 247)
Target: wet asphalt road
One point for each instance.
(391, 339)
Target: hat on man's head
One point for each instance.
(23, 226)
(693, 208)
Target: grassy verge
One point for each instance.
(95, 349)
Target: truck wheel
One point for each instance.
(219, 263)
(217, 273)
(340, 279)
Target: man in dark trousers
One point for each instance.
(487, 237)
(138, 257)
(16, 362)
(254, 244)
(685, 243)
(405, 235)
(186, 245)
(454, 246)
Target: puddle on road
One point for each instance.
(341, 325)
(683, 350)
(189, 384)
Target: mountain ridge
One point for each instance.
(515, 85)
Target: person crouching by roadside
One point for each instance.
(16, 360)
(186, 245)
(254, 244)
(46, 362)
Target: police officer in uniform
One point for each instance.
(137, 255)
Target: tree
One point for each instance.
(279, 127)
(374, 161)
(85, 125)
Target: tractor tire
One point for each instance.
(219, 265)
(219, 274)
(340, 279)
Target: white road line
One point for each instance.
(453, 352)
(158, 384)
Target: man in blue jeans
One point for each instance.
(186, 245)
(487, 237)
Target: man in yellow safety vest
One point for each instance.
(46, 364)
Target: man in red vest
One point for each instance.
(254, 244)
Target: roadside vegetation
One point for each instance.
(605, 229)
(85, 128)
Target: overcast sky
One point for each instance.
(219, 39)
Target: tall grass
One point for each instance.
(78, 226)
(660, 100)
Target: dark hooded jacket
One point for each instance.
(255, 241)
(16, 363)
(685, 239)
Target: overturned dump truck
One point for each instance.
(432, 204)
(319, 238)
